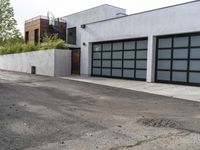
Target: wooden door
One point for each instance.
(75, 61)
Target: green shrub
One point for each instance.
(60, 44)
(29, 47)
(52, 41)
(49, 42)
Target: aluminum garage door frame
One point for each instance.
(178, 59)
(127, 62)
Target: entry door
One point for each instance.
(178, 59)
(75, 61)
(120, 59)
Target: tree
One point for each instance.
(8, 30)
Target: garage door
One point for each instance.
(120, 59)
(178, 59)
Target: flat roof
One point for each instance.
(36, 18)
(94, 8)
(194, 1)
(42, 17)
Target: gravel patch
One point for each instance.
(159, 123)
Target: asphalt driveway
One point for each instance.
(44, 113)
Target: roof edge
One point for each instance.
(93, 8)
(194, 1)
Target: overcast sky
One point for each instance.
(26, 9)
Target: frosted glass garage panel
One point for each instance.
(195, 53)
(164, 54)
(180, 65)
(106, 63)
(117, 55)
(97, 55)
(180, 53)
(195, 41)
(107, 47)
(194, 77)
(116, 64)
(96, 71)
(129, 63)
(184, 65)
(142, 44)
(96, 63)
(106, 55)
(181, 42)
(130, 45)
(141, 74)
(129, 55)
(141, 64)
(96, 47)
(195, 65)
(165, 43)
(117, 46)
(164, 64)
(116, 72)
(179, 76)
(128, 73)
(141, 54)
(106, 72)
(163, 75)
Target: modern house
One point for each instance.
(69, 27)
(161, 45)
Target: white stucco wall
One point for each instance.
(47, 62)
(62, 63)
(91, 15)
(171, 20)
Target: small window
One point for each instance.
(27, 37)
(97, 48)
(162, 54)
(181, 42)
(195, 41)
(142, 44)
(165, 43)
(163, 75)
(36, 36)
(117, 46)
(107, 47)
(129, 45)
(72, 36)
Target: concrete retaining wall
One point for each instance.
(48, 62)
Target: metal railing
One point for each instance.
(42, 17)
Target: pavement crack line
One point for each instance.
(139, 143)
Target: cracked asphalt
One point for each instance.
(46, 113)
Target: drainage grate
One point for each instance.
(33, 70)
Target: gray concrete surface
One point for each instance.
(47, 62)
(45, 113)
(191, 93)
